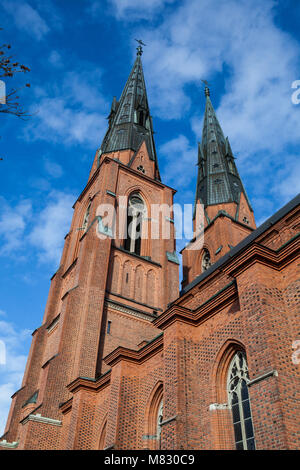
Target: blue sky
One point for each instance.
(80, 54)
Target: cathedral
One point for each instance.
(126, 359)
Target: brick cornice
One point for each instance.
(257, 253)
(131, 355)
(254, 253)
(210, 307)
(66, 406)
(233, 264)
(69, 269)
(89, 384)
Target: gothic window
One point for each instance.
(159, 421)
(135, 212)
(141, 118)
(245, 220)
(86, 217)
(154, 418)
(81, 230)
(102, 437)
(238, 397)
(206, 261)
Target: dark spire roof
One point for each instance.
(218, 178)
(130, 122)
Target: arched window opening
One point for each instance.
(154, 418)
(141, 118)
(135, 213)
(239, 402)
(81, 230)
(159, 422)
(206, 261)
(86, 218)
(102, 437)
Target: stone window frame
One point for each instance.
(206, 266)
(239, 401)
(136, 212)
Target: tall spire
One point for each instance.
(218, 178)
(130, 122)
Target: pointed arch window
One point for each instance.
(135, 212)
(154, 418)
(141, 118)
(159, 422)
(102, 437)
(86, 217)
(239, 402)
(206, 261)
(82, 229)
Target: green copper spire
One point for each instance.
(130, 122)
(218, 178)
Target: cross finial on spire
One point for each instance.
(206, 89)
(139, 48)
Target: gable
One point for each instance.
(142, 162)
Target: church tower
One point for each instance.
(113, 279)
(227, 215)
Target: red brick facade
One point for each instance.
(117, 338)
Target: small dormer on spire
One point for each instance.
(113, 110)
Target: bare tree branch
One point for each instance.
(8, 69)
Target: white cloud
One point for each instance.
(53, 169)
(47, 236)
(24, 229)
(26, 18)
(17, 344)
(130, 10)
(179, 155)
(52, 12)
(71, 112)
(288, 183)
(240, 43)
(55, 59)
(199, 40)
(56, 121)
(13, 221)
